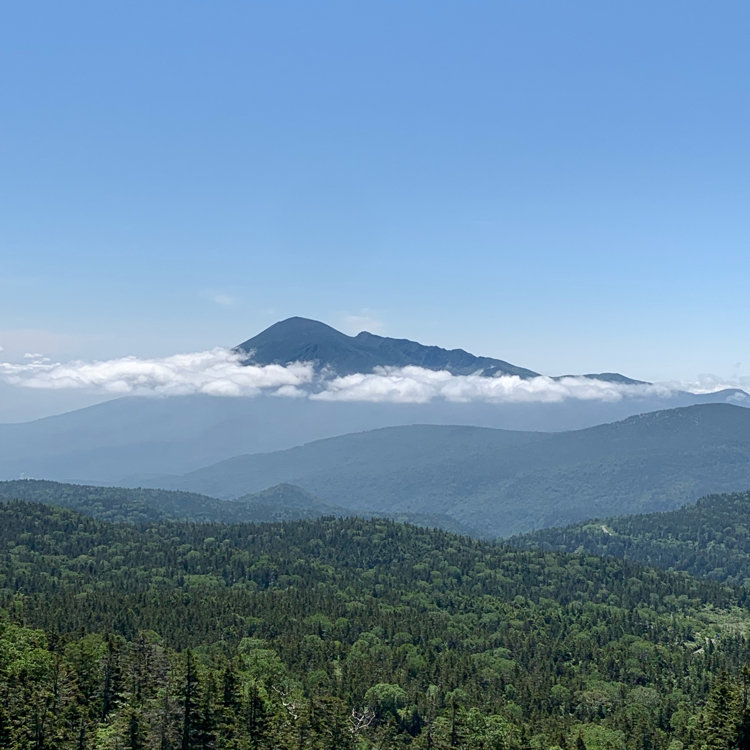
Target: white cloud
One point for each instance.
(216, 372)
(219, 298)
(707, 383)
(219, 372)
(418, 385)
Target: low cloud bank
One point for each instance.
(417, 385)
(712, 383)
(220, 372)
(217, 372)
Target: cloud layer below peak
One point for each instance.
(217, 372)
(418, 385)
(220, 372)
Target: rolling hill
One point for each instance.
(709, 538)
(500, 482)
(283, 502)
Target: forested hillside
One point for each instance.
(709, 538)
(346, 633)
(498, 482)
(282, 502)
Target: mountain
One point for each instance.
(303, 340)
(607, 377)
(709, 538)
(130, 440)
(500, 482)
(285, 502)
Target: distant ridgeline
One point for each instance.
(500, 482)
(709, 538)
(138, 441)
(122, 504)
(347, 634)
(281, 502)
(304, 340)
(299, 339)
(485, 482)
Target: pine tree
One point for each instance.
(722, 715)
(190, 697)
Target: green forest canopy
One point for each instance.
(344, 633)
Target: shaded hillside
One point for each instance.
(130, 439)
(282, 502)
(709, 538)
(119, 504)
(504, 482)
(282, 635)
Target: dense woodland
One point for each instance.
(281, 502)
(709, 538)
(137, 505)
(346, 633)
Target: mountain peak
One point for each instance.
(303, 340)
(296, 326)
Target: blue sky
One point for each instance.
(562, 185)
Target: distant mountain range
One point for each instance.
(500, 482)
(483, 482)
(137, 505)
(332, 352)
(131, 440)
(299, 339)
(335, 354)
(282, 502)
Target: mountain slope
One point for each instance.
(303, 340)
(708, 538)
(501, 482)
(283, 502)
(129, 439)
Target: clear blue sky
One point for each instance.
(565, 185)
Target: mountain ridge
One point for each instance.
(300, 339)
(502, 482)
(134, 438)
(707, 538)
